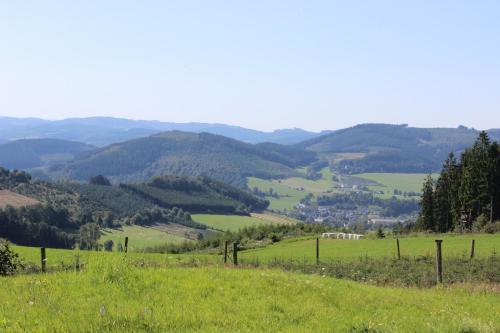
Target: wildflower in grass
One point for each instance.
(102, 310)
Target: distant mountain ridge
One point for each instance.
(33, 153)
(102, 131)
(152, 152)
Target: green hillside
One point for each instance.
(32, 153)
(187, 154)
(391, 148)
(70, 214)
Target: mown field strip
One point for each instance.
(140, 237)
(227, 222)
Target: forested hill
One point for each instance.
(392, 148)
(186, 154)
(31, 153)
(61, 214)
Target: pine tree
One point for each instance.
(495, 181)
(475, 182)
(446, 187)
(426, 219)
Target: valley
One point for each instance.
(185, 200)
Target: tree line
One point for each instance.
(466, 195)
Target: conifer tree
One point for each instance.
(426, 219)
(446, 187)
(495, 181)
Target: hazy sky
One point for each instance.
(260, 64)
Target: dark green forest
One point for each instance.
(186, 154)
(466, 196)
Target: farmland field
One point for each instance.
(112, 294)
(140, 237)
(333, 249)
(227, 222)
(236, 222)
(391, 181)
(274, 218)
(9, 198)
(289, 197)
(291, 190)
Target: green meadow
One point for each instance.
(289, 197)
(115, 294)
(340, 249)
(391, 181)
(291, 190)
(139, 237)
(227, 222)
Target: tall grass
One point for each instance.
(117, 294)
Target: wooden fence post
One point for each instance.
(126, 244)
(235, 254)
(225, 251)
(439, 261)
(397, 244)
(473, 243)
(43, 258)
(317, 250)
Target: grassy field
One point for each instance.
(227, 222)
(60, 259)
(333, 249)
(274, 218)
(236, 222)
(391, 181)
(318, 186)
(291, 190)
(139, 237)
(289, 197)
(113, 294)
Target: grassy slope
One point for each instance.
(391, 181)
(139, 237)
(236, 222)
(226, 222)
(289, 197)
(274, 218)
(331, 249)
(114, 296)
(288, 188)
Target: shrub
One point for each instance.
(492, 228)
(108, 245)
(9, 260)
(99, 180)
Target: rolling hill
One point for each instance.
(391, 148)
(32, 153)
(34, 212)
(186, 154)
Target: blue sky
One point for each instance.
(259, 64)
